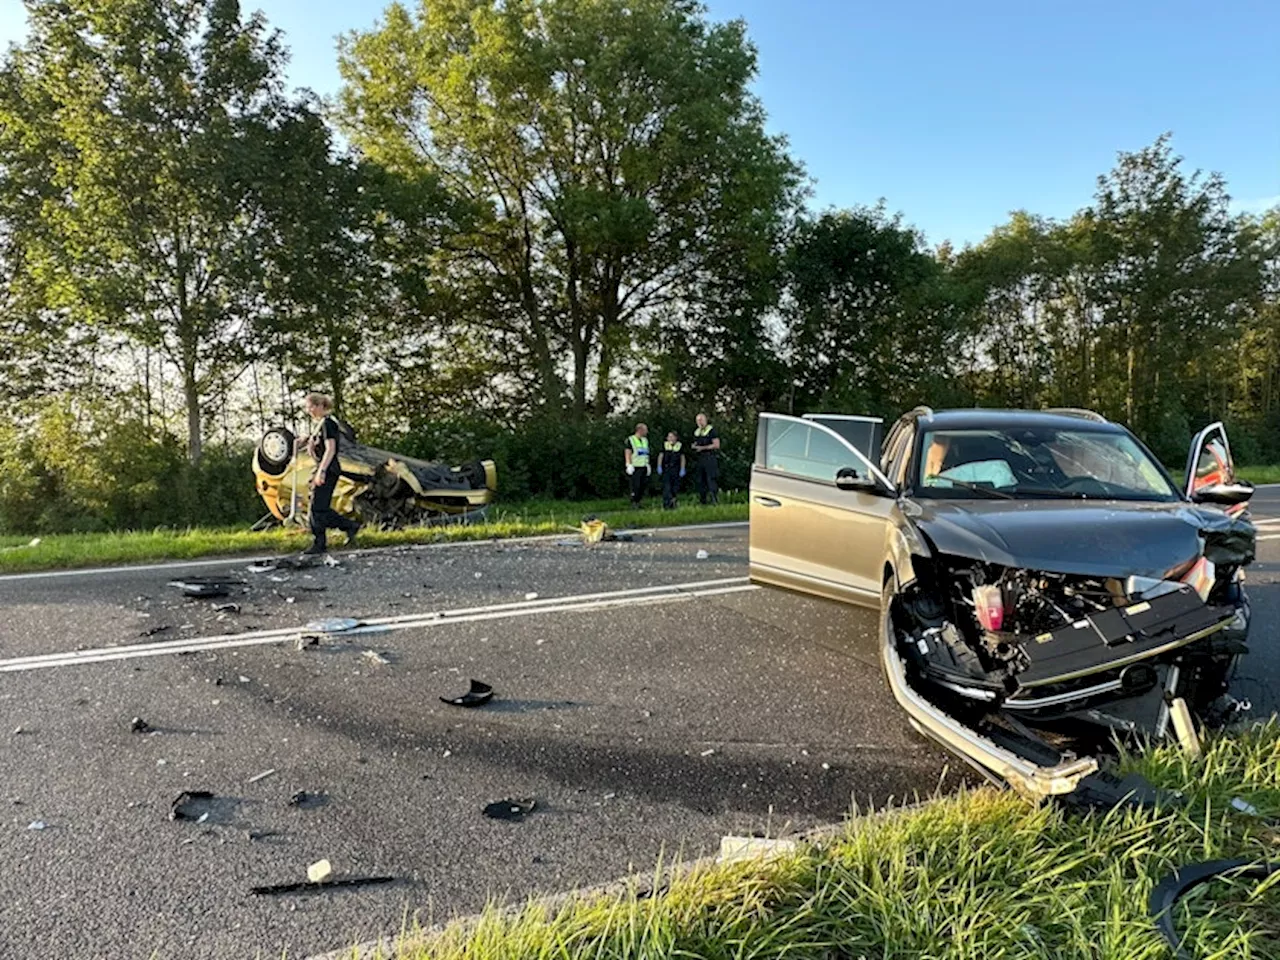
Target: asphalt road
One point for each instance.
(646, 723)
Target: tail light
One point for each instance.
(988, 604)
(1201, 577)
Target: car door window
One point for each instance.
(1210, 462)
(806, 451)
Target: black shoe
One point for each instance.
(315, 550)
(351, 537)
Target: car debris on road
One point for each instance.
(1185, 879)
(513, 811)
(477, 696)
(262, 776)
(138, 725)
(191, 805)
(206, 587)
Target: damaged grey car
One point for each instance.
(1045, 587)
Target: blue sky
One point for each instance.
(958, 113)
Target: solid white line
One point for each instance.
(673, 593)
(233, 560)
(1273, 536)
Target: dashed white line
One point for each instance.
(670, 593)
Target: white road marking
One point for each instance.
(1271, 536)
(670, 593)
(234, 560)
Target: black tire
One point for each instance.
(275, 450)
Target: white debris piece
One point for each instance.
(754, 848)
(319, 871)
(707, 753)
(244, 679)
(375, 656)
(331, 561)
(37, 825)
(1244, 806)
(702, 554)
(531, 596)
(263, 775)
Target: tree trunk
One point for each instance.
(191, 393)
(580, 356)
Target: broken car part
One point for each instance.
(477, 696)
(513, 811)
(332, 625)
(138, 725)
(191, 805)
(320, 871)
(206, 587)
(306, 886)
(1184, 879)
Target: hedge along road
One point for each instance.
(644, 727)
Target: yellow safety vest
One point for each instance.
(671, 447)
(639, 450)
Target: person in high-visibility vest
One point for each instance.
(706, 444)
(636, 453)
(671, 465)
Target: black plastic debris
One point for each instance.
(1103, 791)
(206, 587)
(138, 725)
(305, 800)
(1185, 879)
(477, 696)
(513, 811)
(306, 886)
(226, 608)
(191, 805)
(152, 631)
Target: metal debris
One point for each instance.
(513, 811)
(477, 696)
(206, 587)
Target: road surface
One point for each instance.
(649, 700)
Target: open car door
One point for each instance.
(819, 511)
(1211, 471)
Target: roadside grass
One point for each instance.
(979, 874)
(69, 551)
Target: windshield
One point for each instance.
(1038, 462)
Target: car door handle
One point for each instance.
(768, 502)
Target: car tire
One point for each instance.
(275, 451)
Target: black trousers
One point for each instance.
(670, 487)
(708, 475)
(324, 517)
(639, 482)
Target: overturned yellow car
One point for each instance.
(375, 486)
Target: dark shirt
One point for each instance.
(325, 430)
(705, 438)
(671, 458)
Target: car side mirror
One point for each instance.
(1222, 494)
(848, 478)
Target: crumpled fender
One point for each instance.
(904, 545)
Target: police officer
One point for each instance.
(323, 446)
(706, 444)
(637, 459)
(671, 464)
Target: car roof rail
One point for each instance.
(1078, 412)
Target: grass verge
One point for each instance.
(982, 874)
(67, 551)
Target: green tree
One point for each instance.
(143, 125)
(871, 322)
(612, 159)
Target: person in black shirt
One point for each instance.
(671, 465)
(706, 444)
(323, 446)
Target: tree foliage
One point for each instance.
(614, 164)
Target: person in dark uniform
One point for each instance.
(636, 455)
(671, 464)
(323, 446)
(706, 444)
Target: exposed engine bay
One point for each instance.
(1053, 664)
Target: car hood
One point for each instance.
(1107, 539)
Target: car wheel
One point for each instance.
(275, 450)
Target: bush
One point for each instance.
(550, 458)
